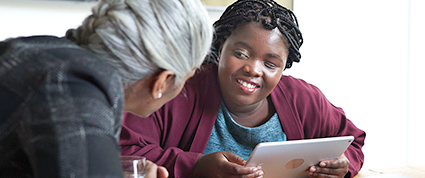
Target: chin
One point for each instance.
(242, 101)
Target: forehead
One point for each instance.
(255, 34)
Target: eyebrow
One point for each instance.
(243, 44)
(250, 47)
(275, 56)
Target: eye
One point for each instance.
(241, 55)
(270, 65)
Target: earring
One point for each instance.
(159, 95)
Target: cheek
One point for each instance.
(231, 64)
(224, 67)
(272, 78)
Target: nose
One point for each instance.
(253, 68)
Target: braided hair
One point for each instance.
(132, 35)
(267, 12)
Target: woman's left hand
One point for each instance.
(154, 171)
(330, 168)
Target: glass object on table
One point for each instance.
(133, 166)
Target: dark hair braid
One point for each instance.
(267, 12)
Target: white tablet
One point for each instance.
(293, 158)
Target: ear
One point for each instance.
(219, 53)
(163, 82)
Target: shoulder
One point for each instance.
(53, 74)
(299, 94)
(292, 86)
(39, 62)
(199, 92)
(48, 49)
(44, 55)
(204, 83)
(206, 73)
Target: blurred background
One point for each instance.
(367, 56)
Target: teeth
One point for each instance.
(246, 84)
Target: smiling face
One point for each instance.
(251, 63)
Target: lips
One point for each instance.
(247, 87)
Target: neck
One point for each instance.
(252, 115)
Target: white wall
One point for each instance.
(367, 57)
(29, 17)
(416, 84)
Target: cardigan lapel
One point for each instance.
(291, 124)
(209, 103)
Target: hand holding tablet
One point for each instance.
(294, 158)
(335, 167)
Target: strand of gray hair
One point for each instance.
(140, 37)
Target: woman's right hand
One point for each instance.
(224, 164)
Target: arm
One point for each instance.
(176, 135)
(353, 157)
(73, 125)
(180, 163)
(343, 166)
(170, 136)
(335, 123)
(159, 141)
(354, 152)
(313, 116)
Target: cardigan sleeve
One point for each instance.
(165, 137)
(147, 137)
(175, 135)
(335, 123)
(315, 117)
(354, 152)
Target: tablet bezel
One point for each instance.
(308, 152)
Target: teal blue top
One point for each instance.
(227, 135)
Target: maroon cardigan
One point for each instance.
(175, 135)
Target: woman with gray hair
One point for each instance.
(61, 99)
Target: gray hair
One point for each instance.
(140, 37)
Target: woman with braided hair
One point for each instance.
(62, 98)
(240, 98)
